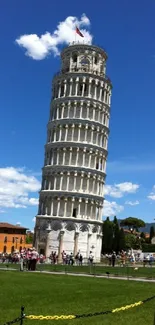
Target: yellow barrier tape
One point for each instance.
(55, 317)
(63, 317)
(127, 307)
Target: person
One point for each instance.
(90, 258)
(28, 258)
(113, 259)
(34, 258)
(80, 260)
(71, 259)
(21, 262)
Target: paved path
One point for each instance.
(87, 275)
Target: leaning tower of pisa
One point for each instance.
(73, 177)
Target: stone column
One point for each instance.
(52, 207)
(61, 235)
(76, 237)
(79, 208)
(89, 89)
(55, 182)
(60, 132)
(59, 91)
(88, 180)
(68, 112)
(76, 86)
(81, 184)
(79, 131)
(81, 109)
(68, 175)
(61, 179)
(71, 86)
(77, 157)
(65, 206)
(94, 179)
(91, 210)
(73, 128)
(62, 112)
(75, 177)
(90, 157)
(84, 156)
(75, 105)
(72, 206)
(66, 132)
(70, 156)
(92, 133)
(86, 207)
(65, 88)
(58, 206)
(64, 154)
(88, 107)
(57, 156)
(86, 129)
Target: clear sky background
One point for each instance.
(126, 29)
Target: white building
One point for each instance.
(73, 177)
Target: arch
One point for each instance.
(95, 229)
(74, 57)
(70, 226)
(96, 59)
(56, 225)
(85, 61)
(84, 228)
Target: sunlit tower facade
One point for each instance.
(72, 193)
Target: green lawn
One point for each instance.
(45, 294)
(147, 272)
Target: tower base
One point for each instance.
(69, 234)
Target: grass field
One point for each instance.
(147, 272)
(45, 294)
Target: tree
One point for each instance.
(122, 243)
(29, 238)
(107, 241)
(152, 233)
(130, 241)
(116, 234)
(133, 223)
(142, 235)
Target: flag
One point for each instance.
(78, 32)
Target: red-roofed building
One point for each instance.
(12, 237)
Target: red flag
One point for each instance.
(78, 32)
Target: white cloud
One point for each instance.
(151, 196)
(132, 203)
(15, 187)
(34, 219)
(111, 208)
(119, 190)
(39, 47)
(2, 211)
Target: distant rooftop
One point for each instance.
(10, 226)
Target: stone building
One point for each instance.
(73, 177)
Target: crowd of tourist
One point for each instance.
(28, 258)
(123, 257)
(69, 259)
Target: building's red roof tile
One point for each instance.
(9, 225)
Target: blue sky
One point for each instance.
(126, 29)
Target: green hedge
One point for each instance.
(148, 248)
